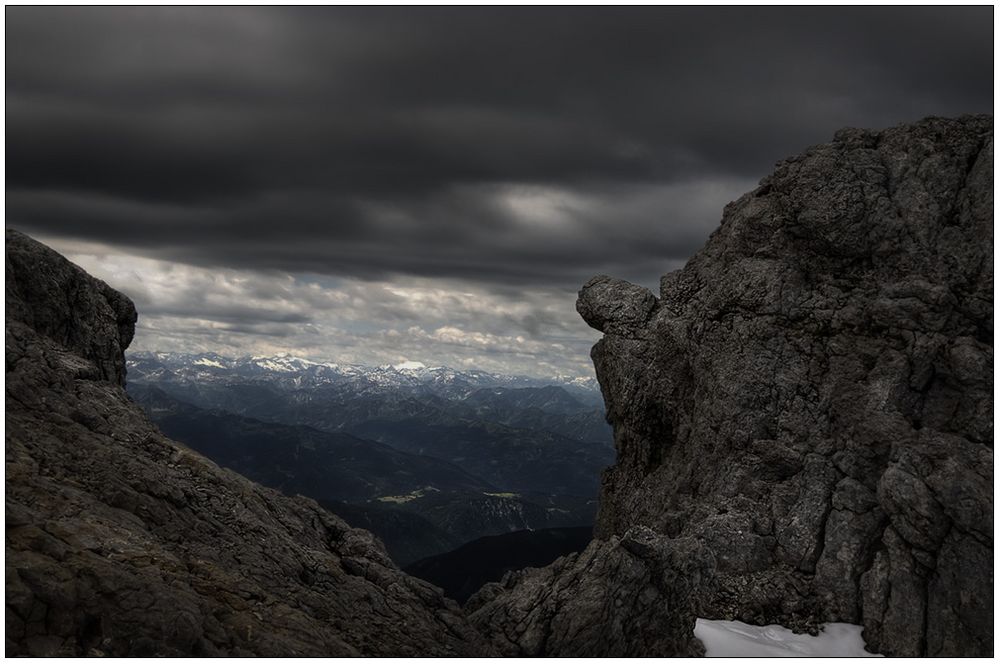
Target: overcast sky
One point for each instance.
(376, 185)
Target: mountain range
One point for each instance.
(425, 458)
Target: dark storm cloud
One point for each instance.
(522, 145)
(517, 235)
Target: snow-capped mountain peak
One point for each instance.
(409, 365)
(208, 362)
(301, 373)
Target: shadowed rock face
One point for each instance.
(633, 596)
(121, 542)
(65, 305)
(810, 399)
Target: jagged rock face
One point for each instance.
(121, 542)
(634, 596)
(811, 395)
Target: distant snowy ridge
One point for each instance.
(409, 366)
(206, 362)
(410, 372)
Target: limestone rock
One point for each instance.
(122, 542)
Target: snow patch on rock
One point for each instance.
(732, 638)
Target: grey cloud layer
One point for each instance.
(339, 152)
(300, 138)
(439, 322)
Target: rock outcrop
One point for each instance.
(810, 400)
(634, 596)
(121, 542)
(65, 305)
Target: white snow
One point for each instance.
(205, 362)
(272, 365)
(409, 366)
(732, 638)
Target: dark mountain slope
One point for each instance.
(419, 506)
(521, 460)
(120, 541)
(462, 572)
(551, 408)
(407, 536)
(300, 460)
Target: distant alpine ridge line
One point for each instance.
(310, 372)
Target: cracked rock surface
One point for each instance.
(122, 542)
(634, 596)
(809, 400)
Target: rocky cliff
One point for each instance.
(120, 541)
(803, 417)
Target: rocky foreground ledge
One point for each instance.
(122, 542)
(805, 411)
